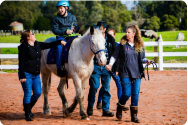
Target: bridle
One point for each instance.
(95, 53)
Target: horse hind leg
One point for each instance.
(46, 79)
(72, 107)
(61, 91)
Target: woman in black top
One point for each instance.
(132, 56)
(29, 69)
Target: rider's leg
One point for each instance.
(59, 50)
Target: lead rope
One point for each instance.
(154, 67)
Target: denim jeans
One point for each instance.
(128, 90)
(118, 85)
(59, 50)
(32, 83)
(94, 82)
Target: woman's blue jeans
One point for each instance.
(118, 85)
(104, 76)
(33, 83)
(128, 90)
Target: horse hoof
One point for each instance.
(66, 113)
(87, 118)
(47, 113)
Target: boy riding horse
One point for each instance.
(63, 26)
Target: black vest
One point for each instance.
(122, 57)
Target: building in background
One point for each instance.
(16, 27)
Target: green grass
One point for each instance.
(16, 39)
(167, 36)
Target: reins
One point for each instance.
(146, 66)
(154, 67)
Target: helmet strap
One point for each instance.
(65, 11)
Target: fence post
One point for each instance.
(160, 41)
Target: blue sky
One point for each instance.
(129, 4)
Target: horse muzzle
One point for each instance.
(102, 62)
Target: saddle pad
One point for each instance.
(51, 57)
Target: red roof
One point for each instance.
(15, 23)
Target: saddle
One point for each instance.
(51, 57)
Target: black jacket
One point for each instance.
(30, 56)
(60, 24)
(122, 61)
(111, 46)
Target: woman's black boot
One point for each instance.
(134, 112)
(32, 104)
(119, 111)
(27, 109)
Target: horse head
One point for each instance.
(97, 45)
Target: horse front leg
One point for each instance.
(46, 79)
(80, 97)
(61, 91)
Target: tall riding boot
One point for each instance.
(119, 111)
(32, 104)
(27, 109)
(134, 112)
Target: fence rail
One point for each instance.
(159, 54)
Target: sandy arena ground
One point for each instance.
(163, 101)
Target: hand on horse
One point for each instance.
(22, 80)
(108, 67)
(63, 43)
(69, 31)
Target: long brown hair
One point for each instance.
(24, 36)
(138, 42)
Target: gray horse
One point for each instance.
(79, 67)
(180, 37)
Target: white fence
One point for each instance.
(159, 54)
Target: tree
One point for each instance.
(42, 23)
(153, 23)
(110, 16)
(21, 11)
(78, 9)
(177, 9)
(170, 22)
(124, 17)
(49, 9)
(95, 12)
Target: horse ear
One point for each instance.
(91, 30)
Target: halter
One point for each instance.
(95, 53)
